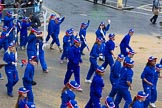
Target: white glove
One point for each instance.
(7, 34)
(109, 21)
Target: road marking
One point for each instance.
(50, 10)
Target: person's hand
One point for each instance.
(109, 21)
(131, 88)
(34, 83)
(150, 84)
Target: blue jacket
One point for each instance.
(126, 75)
(3, 37)
(99, 34)
(29, 74)
(148, 73)
(138, 104)
(66, 42)
(110, 45)
(22, 103)
(115, 72)
(96, 86)
(57, 27)
(9, 58)
(8, 21)
(95, 51)
(75, 55)
(51, 26)
(24, 26)
(31, 42)
(125, 42)
(104, 106)
(66, 96)
(82, 32)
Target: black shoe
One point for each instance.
(101, 59)
(151, 20)
(10, 95)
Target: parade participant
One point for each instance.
(56, 32)
(130, 55)
(28, 79)
(66, 45)
(72, 104)
(31, 47)
(109, 103)
(124, 44)
(3, 39)
(96, 89)
(68, 94)
(101, 32)
(24, 32)
(154, 89)
(73, 65)
(109, 51)
(94, 54)
(138, 100)
(82, 34)
(124, 83)
(10, 68)
(147, 77)
(50, 26)
(72, 37)
(115, 74)
(155, 9)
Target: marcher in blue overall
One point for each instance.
(22, 100)
(51, 26)
(138, 101)
(3, 39)
(72, 104)
(147, 77)
(109, 51)
(41, 55)
(56, 32)
(124, 83)
(115, 75)
(101, 32)
(68, 94)
(94, 54)
(8, 21)
(124, 44)
(28, 79)
(154, 90)
(109, 103)
(18, 26)
(10, 68)
(96, 89)
(130, 55)
(72, 37)
(82, 34)
(24, 32)
(73, 65)
(66, 45)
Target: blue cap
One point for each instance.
(158, 66)
(22, 90)
(31, 105)
(76, 40)
(111, 35)
(68, 32)
(129, 62)
(72, 104)
(110, 102)
(5, 27)
(9, 13)
(151, 58)
(25, 19)
(58, 19)
(11, 44)
(71, 29)
(33, 58)
(131, 52)
(99, 39)
(142, 94)
(100, 69)
(120, 56)
(102, 23)
(73, 84)
(131, 30)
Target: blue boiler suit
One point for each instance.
(123, 88)
(114, 77)
(31, 47)
(56, 31)
(82, 34)
(66, 46)
(95, 92)
(104, 106)
(66, 96)
(41, 55)
(27, 81)
(24, 33)
(3, 40)
(94, 54)
(110, 45)
(137, 104)
(22, 103)
(125, 44)
(73, 64)
(50, 29)
(11, 71)
(8, 21)
(148, 73)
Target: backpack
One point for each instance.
(156, 4)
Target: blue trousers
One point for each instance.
(65, 53)
(92, 68)
(55, 39)
(93, 102)
(123, 93)
(42, 60)
(72, 68)
(123, 51)
(23, 40)
(48, 37)
(108, 60)
(30, 93)
(147, 90)
(12, 76)
(153, 95)
(83, 45)
(113, 91)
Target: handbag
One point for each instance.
(156, 11)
